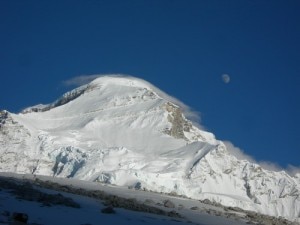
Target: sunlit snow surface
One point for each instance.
(90, 208)
(125, 132)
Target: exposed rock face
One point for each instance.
(12, 132)
(3, 116)
(169, 204)
(67, 97)
(179, 123)
(19, 218)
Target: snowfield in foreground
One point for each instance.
(48, 200)
(125, 132)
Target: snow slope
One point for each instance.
(124, 131)
(89, 211)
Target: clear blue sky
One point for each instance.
(181, 46)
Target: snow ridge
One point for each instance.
(67, 97)
(124, 131)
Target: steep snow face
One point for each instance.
(124, 131)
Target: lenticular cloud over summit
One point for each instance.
(126, 132)
(81, 80)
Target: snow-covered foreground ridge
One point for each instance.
(123, 131)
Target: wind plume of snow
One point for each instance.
(293, 170)
(270, 166)
(241, 155)
(237, 152)
(80, 80)
(290, 169)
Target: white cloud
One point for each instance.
(81, 80)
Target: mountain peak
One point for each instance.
(125, 131)
(113, 82)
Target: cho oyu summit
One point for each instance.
(124, 131)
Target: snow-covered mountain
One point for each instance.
(124, 131)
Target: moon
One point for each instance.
(226, 78)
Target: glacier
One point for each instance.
(126, 132)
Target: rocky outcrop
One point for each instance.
(67, 97)
(179, 123)
(26, 191)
